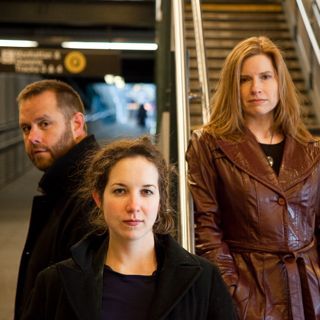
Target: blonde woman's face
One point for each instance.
(258, 87)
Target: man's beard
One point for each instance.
(59, 149)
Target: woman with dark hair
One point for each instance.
(254, 174)
(130, 267)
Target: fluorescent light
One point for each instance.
(18, 43)
(109, 45)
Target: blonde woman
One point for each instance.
(254, 174)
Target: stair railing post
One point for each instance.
(201, 59)
(185, 217)
(308, 27)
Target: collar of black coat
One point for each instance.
(64, 174)
(90, 252)
(297, 162)
(82, 277)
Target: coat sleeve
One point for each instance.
(48, 299)
(317, 225)
(35, 306)
(203, 184)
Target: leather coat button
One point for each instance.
(281, 201)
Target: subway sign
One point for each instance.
(59, 62)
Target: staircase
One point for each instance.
(224, 25)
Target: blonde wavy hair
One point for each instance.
(226, 109)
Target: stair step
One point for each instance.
(216, 64)
(231, 43)
(207, 7)
(213, 53)
(239, 16)
(241, 34)
(240, 25)
(196, 121)
(242, 1)
(214, 74)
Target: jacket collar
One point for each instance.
(297, 161)
(83, 284)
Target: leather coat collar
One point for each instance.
(297, 162)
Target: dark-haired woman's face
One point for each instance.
(131, 200)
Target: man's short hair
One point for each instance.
(68, 100)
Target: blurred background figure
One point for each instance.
(142, 116)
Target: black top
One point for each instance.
(126, 296)
(274, 154)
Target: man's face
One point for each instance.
(47, 134)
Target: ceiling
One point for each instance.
(50, 22)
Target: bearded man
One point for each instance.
(51, 117)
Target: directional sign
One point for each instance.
(59, 62)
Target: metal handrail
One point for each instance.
(309, 30)
(201, 59)
(316, 12)
(186, 220)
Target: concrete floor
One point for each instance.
(15, 207)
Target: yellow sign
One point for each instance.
(75, 62)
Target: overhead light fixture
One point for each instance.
(109, 45)
(18, 43)
(117, 81)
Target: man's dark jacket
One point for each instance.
(57, 219)
(188, 287)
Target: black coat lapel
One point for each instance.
(83, 291)
(177, 275)
(82, 279)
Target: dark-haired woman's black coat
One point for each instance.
(189, 287)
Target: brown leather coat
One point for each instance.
(259, 228)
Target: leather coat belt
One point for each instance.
(299, 291)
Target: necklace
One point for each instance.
(269, 158)
(270, 161)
